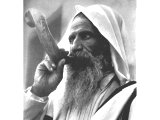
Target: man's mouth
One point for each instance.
(73, 56)
(83, 53)
(80, 60)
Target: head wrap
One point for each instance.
(111, 25)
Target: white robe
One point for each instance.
(36, 108)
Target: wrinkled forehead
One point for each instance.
(81, 22)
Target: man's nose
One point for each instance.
(77, 44)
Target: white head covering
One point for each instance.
(111, 25)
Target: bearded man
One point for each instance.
(97, 85)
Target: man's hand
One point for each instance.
(47, 77)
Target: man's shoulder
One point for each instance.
(117, 105)
(130, 89)
(130, 86)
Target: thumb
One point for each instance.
(60, 66)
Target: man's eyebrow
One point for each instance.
(87, 32)
(81, 31)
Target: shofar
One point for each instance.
(35, 18)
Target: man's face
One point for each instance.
(86, 70)
(82, 36)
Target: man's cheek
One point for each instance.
(97, 49)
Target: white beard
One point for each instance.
(82, 84)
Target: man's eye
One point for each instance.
(86, 35)
(71, 38)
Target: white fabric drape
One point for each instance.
(111, 25)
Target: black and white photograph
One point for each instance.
(79, 59)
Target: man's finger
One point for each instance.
(49, 65)
(60, 66)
